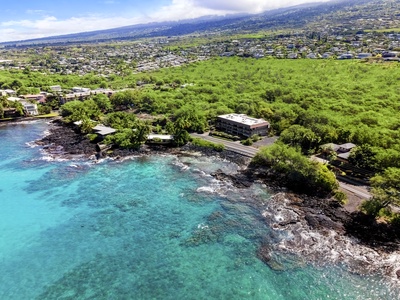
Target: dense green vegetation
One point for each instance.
(207, 144)
(386, 192)
(25, 82)
(308, 102)
(131, 133)
(296, 171)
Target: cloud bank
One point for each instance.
(38, 24)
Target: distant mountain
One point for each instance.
(295, 17)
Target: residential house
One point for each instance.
(56, 88)
(343, 150)
(30, 109)
(80, 90)
(346, 56)
(160, 139)
(363, 55)
(10, 92)
(39, 97)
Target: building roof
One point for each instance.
(347, 146)
(160, 136)
(14, 99)
(103, 130)
(330, 146)
(344, 155)
(244, 119)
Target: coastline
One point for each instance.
(316, 231)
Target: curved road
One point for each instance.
(250, 151)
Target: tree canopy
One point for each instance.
(299, 172)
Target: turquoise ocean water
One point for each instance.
(144, 228)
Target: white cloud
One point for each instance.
(250, 6)
(50, 26)
(177, 10)
(35, 12)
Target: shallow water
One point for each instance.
(144, 228)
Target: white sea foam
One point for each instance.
(206, 189)
(326, 245)
(25, 122)
(32, 144)
(202, 226)
(46, 133)
(181, 165)
(51, 158)
(216, 187)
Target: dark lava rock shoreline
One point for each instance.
(64, 140)
(314, 229)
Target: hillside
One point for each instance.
(332, 16)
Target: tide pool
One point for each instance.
(144, 228)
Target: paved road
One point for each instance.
(360, 191)
(249, 151)
(232, 146)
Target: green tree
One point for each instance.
(16, 84)
(18, 106)
(44, 109)
(125, 99)
(121, 120)
(385, 191)
(130, 138)
(77, 111)
(191, 118)
(103, 102)
(363, 156)
(178, 130)
(86, 125)
(297, 135)
(296, 170)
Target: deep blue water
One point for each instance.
(144, 228)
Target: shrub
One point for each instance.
(341, 197)
(255, 138)
(224, 135)
(371, 207)
(247, 142)
(208, 144)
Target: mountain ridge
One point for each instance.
(293, 17)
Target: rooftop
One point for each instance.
(104, 130)
(160, 136)
(243, 119)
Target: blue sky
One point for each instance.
(26, 19)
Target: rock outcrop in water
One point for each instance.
(320, 231)
(323, 238)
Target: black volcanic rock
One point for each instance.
(66, 140)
